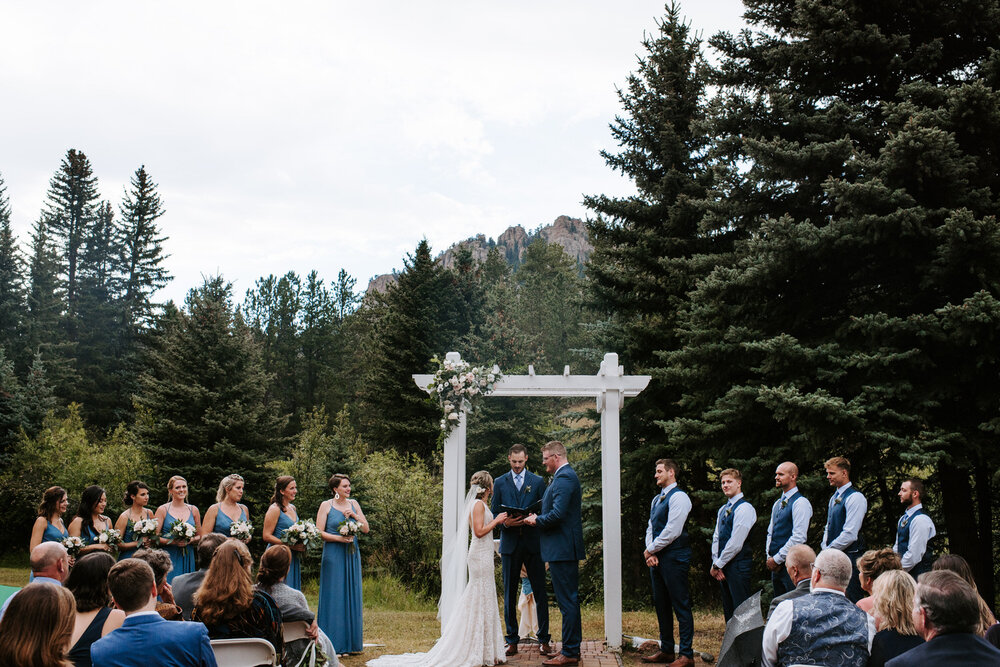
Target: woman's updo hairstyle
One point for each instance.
(227, 483)
(336, 479)
(274, 565)
(132, 490)
(484, 481)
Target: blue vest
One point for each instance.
(658, 517)
(726, 531)
(836, 516)
(827, 629)
(781, 523)
(903, 539)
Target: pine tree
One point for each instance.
(205, 395)
(11, 407)
(141, 257)
(43, 335)
(320, 343)
(12, 297)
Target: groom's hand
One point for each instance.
(530, 519)
(513, 521)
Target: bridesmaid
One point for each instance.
(280, 515)
(221, 516)
(340, 573)
(181, 551)
(136, 499)
(49, 526)
(90, 520)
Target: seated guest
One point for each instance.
(960, 566)
(870, 566)
(88, 582)
(993, 635)
(185, 586)
(824, 627)
(159, 561)
(37, 628)
(49, 565)
(227, 603)
(274, 565)
(145, 638)
(893, 596)
(799, 564)
(946, 614)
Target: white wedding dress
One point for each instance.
(473, 635)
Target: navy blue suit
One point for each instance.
(520, 546)
(958, 649)
(150, 641)
(561, 541)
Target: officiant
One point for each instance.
(520, 489)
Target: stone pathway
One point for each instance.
(592, 654)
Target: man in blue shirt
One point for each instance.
(845, 514)
(732, 557)
(914, 530)
(789, 525)
(668, 555)
(49, 565)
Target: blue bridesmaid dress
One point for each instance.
(181, 557)
(223, 523)
(294, 578)
(129, 536)
(340, 590)
(51, 534)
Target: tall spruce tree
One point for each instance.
(42, 333)
(205, 397)
(12, 297)
(860, 317)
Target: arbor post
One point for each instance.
(454, 476)
(609, 403)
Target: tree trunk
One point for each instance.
(984, 573)
(959, 521)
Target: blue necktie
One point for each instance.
(517, 481)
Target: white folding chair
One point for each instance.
(294, 630)
(243, 652)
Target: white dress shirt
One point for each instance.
(680, 505)
(921, 531)
(856, 505)
(744, 517)
(779, 626)
(802, 511)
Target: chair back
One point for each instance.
(294, 630)
(243, 652)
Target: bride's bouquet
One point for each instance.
(241, 530)
(302, 532)
(73, 545)
(349, 528)
(182, 531)
(146, 529)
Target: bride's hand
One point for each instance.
(500, 518)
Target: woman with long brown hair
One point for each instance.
(49, 526)
(90, 521)
(280, 515)
(136, 499)
(960, 566)
(227, 603)
(37, 627)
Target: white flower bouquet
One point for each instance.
(241, 530)
(303, 532)
(349, 528)
(73, 545)
(459, 385)
(146, 529)
(182, 531)
(109, 537)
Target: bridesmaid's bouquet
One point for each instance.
(349, 528)
(241, 530)
(146, 529)
(109, 537)
(182, 530)
(302, 532)
(73, 545)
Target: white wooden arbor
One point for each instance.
(610, 387)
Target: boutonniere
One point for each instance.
(527, 489)
(837, 500)
(906, 520)
(729, 510)
(784, 503)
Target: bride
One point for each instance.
(471, 635)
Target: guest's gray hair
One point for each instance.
(834, 566)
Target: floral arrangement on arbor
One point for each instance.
(458, 385)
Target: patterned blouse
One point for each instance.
(261, 619)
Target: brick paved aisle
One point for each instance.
(592, 654)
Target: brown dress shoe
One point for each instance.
(561, 660)
(682, 661)
(659, 657)
(511, 649)
(546, 650)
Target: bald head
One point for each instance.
(799, 562)
(786, 475)
(49, 559)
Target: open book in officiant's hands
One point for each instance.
(521, 512)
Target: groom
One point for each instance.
(561, 538)
(519, 545)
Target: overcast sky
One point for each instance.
(323, 135)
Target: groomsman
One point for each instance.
(731, 552)
(790, 517)
(668, 555)
(914, 530)
(519, 545)
(844, 516)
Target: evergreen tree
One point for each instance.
(42, 332)
(141, 257)
(12, 297)
(70, 211)
(319, 342)
(38, 398)
(205, 395)
(11, 407)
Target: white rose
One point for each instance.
(344, 530)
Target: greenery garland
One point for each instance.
(459, 385)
